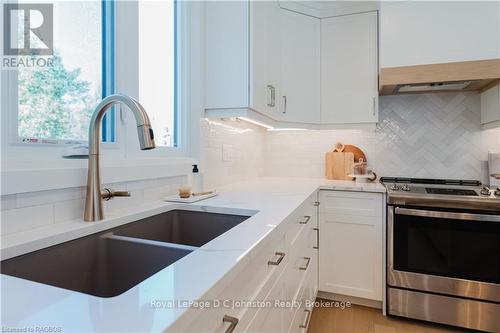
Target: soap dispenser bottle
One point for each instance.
(196, 180)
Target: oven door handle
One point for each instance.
(447, 215)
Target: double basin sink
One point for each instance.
(111, 262)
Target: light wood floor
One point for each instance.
(360, 319)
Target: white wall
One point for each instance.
(231, 151)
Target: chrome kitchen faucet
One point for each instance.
(93, 201)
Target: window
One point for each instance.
(158, 63)
(55, 102)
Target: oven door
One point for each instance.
(444, 252)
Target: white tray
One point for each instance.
(191, 199)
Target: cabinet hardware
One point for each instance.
(316, 203)
(284, 105)
(271, 94)
(374, 106)
(233, 322)
(305, 220)
(308, 260)
(280, 255)
(308, 316)
(317, 238)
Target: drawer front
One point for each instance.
(351, 203)
(253, 282)
(302, 315)
(270, 318)
(305, 217)
(303, 260)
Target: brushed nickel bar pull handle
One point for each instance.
(233, 322)
(272, 95)
(308, 317)
(317, 238)
(305, 220)
(284, 105)
(277, 262)
(447, 215)
(308, 261)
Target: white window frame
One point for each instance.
(20, 163)
(10, 79)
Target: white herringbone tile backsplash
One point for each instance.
(436, 135)
(432, 135)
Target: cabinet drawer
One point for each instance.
(303, 258)
(270, 318)
(302, 315)
(253, 282)
(351, 203)
(305, 217)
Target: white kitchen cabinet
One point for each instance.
(242, 55)
(490, 107)
(432, 32)
(300, 67)
(349, 69)
(283, 267)
(351, 246)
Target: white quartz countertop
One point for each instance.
(28, 305)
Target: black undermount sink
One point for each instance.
(109, 263)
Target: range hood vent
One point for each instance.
(446, 77)
(434, 87)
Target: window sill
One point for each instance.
(23, 177)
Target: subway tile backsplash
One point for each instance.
(431, 135)
(24, 211)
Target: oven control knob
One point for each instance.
(405, 188)
(485, 191)
(497, 192)
(394, 187)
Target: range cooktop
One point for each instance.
(446, 193)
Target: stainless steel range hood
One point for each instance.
(446, 77)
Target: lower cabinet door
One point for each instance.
(351, 249)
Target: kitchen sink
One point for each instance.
(182, 227)
(109, 263)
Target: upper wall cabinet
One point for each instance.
(490, 107)
(349, 69)
(432, 32)
(300, 67)
(262, 60)
(242, 55)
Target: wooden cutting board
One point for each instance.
(339, 165)
(358, 153)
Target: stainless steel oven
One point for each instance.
(443, 262)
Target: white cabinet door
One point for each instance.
(300, 67)
(351, 249)
(227, 54)
(265, 57)
(349, 69)
(430, 32)
(490, 105)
